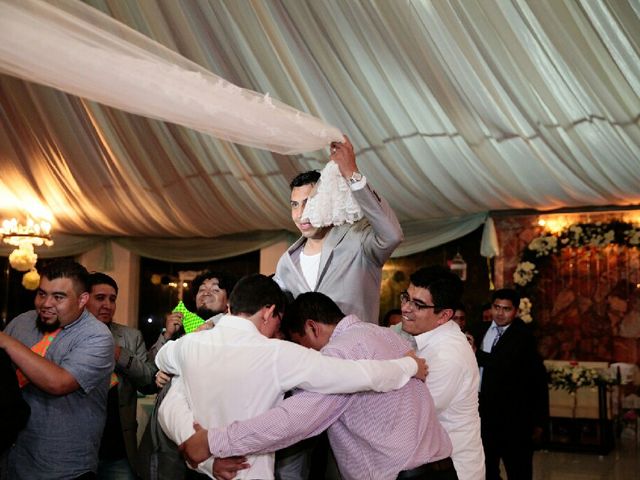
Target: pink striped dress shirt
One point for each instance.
(373, 435)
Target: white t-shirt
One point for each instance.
(310, 264)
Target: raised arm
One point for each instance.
(386, 233)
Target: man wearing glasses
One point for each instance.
(427, 310)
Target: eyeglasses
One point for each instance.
(405, 299)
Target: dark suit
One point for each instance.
(134, 372)
(513, 400)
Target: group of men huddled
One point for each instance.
(222, 407)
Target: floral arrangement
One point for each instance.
(573, 377)
(524, 310)
(581, 235)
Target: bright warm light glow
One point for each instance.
(555, 223)
(36, 233)
(632, 217)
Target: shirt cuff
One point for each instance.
(218, 442)
(359, 185)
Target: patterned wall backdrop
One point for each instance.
(586, 299)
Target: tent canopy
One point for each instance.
(455, 108)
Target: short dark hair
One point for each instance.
(99, 278)
(253, 292)
(387, 316)
(459, 306)
(306, 178)
(444, 286)
(309, 306)
(65, 268)
(507, 294)
(226, 281)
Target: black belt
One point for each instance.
(437, 466)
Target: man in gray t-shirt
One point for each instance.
(64, 358)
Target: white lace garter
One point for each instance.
(332, 201)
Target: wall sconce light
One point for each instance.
(458, 266)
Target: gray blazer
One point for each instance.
(351, 260)
(134, 372)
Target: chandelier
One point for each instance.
(31, 232)
(26, 236)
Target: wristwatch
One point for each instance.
(355, 178)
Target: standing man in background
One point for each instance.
(514, 396)
(133, 371)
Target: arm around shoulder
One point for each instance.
(308, 369)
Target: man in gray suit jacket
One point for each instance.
(132, 372)
(345, 262)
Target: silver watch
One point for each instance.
(355, 177)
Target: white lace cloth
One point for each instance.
(332, 202)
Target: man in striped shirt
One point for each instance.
(374, 436)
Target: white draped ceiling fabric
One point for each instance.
(455, 108)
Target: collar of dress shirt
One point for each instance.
(424, 339)
(342, 325)
(494, 325)
(238, 323)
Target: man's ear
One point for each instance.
(267, 313)
(83, 299)
(311, 328)
(445, 315)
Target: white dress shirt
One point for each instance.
(453, 381)
(233, 372)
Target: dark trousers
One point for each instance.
(441, 470)
(516, 452)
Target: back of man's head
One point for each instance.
(445, 286)
(306, 178)
(507, 294)
(310, 306)
(253, 292)
(65, 268)
(99, 278)
(226, 281)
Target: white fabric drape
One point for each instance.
(74, 48)
(455, 108)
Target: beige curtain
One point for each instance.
(455, 107)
